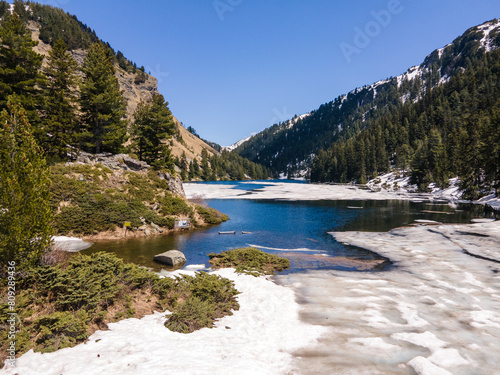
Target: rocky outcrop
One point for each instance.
(174, 184)
(126, 163)
(173, 258)
(120, 161)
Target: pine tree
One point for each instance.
(25, 213)
(102, 103)
(153, 125)
(60, 117)
(19, 67)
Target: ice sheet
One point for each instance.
(437, 311)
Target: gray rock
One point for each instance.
(173, 258)
(117, 162)
(156, 228)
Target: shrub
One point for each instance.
(60, 306)
(209, 297)
(171, 205)
(210, 215)
(249, 260)
(60, 330)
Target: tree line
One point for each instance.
(452, 130)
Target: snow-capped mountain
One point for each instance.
(289, 147)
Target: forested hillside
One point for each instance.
(365, 122)
(453, 130)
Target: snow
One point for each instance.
(491, 200)
(285, 191)
(388, 186)
(257, 339)
(487, 28)
(292, 122)
(71, 244)
(237, 144)
(410, 74)
(437, 311)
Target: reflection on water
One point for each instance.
(288, 226)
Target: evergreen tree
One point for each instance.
(153, 125)
(102, 103)
(60, 117)
(19, 67)
(25, 213)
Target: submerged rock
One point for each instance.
(173, 258)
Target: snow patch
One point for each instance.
(487, 28)
(237, 144)
(257, 339)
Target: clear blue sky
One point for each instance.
(230, 68)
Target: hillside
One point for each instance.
(290, 147)
(194, 159)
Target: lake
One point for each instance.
(296, 229)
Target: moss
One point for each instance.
(249, 260)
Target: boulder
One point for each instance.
(156, 228)
(173, 258)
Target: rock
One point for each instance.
(156, 228)
(132, 164)
(116, 162)
(147, 232)
(173, 258)
(175, 186)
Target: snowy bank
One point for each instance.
(70, 244)
(437, 311)
(260, 338)
(385, 187)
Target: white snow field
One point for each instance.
(257, 339)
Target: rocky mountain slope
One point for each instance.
(136, 91)
(289, 147)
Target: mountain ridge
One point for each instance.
(277, 147)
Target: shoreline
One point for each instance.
(322, 191)
(414, 317)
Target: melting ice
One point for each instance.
(437, 311)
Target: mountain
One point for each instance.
(290, 147)
(194, 158)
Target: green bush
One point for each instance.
(210, 297)
(249, 260)
(190, 316)
(72, 300)
(60, 330)
(210, 215)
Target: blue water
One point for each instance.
(282, 226)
